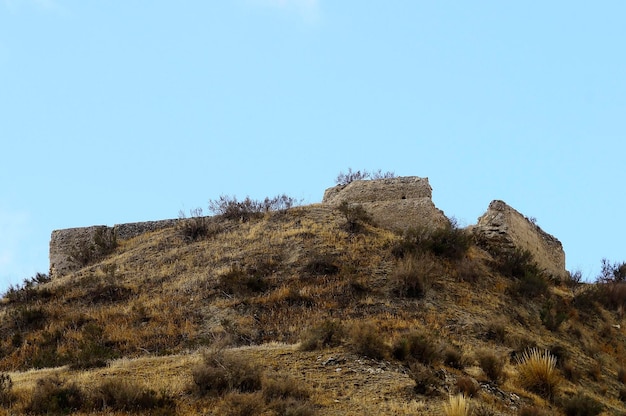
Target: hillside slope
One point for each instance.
(356, 318)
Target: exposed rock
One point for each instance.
(504, 228)
(395, 203)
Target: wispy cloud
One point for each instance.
(309, 10)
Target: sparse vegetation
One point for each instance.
(196, 226)
(581, 405)
(387, 324)
(229, 207)
(118, 394)
(219, 373)
(55, 396)
(351, 176)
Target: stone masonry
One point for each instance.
(395, 203)
(504, 228)
(65, 242)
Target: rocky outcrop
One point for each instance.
(504, 228)
(395, 203)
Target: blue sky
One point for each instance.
(123, 111)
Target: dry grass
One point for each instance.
(143, 313)
(457, 406)
(537, 372)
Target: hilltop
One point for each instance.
(371, 302)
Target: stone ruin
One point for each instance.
(63, 243)
(394, 203)
(504, 228)
(404, 202)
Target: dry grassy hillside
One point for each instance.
(311, 311)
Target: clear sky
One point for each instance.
(124, 111)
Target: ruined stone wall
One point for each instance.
(395, 203)
(64, 244)
(504, 228)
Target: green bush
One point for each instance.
(451, 241)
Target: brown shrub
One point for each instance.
(417, 346)
(581, 405)
(492, 365)
(242, 404)
(453, 357)
(413, 275)
(7, 396)
(281, 387)
(467, 386)
(426, 381)
(220, 372)
(366, 339)
(329, 333)
(123, 395)
(53, 395)
(532, 411)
